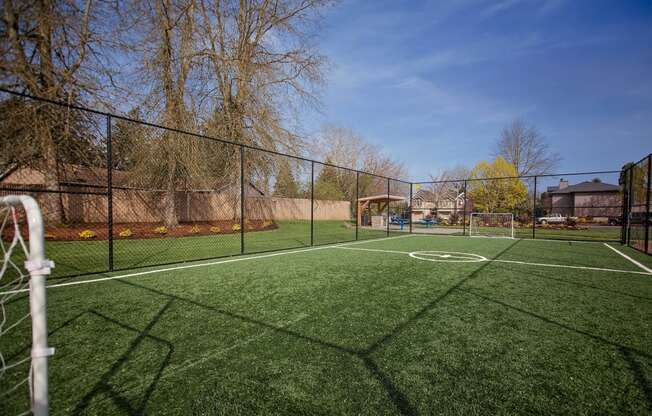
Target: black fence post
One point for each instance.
(623, 208)
(242, 200)
(357, 203)
(312, 202)
(410, 208)
(629, 206)
(464, 212)
(534, 210)
(647, 205)
(387, 207)
(109, 188)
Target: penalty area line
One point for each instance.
(213, 263)
(636, 263)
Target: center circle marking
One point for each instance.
(447, 256)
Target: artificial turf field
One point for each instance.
(84, 257)
(530, 327)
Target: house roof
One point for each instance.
(424, 194)
(588, 186)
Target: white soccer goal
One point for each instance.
(23, 271)
(491, 224)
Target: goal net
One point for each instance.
(23, 321)
(490, 224)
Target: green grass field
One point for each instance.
(83, 257)
(360, 328)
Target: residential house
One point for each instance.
(426, 203)
(593, 199)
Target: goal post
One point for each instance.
(24, 269)
(491, 224)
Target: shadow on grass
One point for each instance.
(393, 392)
(398, 398)
(405, 324)
(103, 386)
(628, 352)
(539, 274)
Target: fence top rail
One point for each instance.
(277, 153)
(649, 156)
(171, 129)
(603, 172)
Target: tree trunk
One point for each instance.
(53, 206)
(169, 202)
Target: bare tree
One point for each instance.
(261, 65)
(55, 50)
(343, 147)
(522, 145)
(232, 69)
(346, 148)
(167, 60)
(448, 185)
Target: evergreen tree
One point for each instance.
(286, 185)
(327, 186)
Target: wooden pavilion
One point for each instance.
(380, 201)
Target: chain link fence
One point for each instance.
(637, 218)
(119, 193)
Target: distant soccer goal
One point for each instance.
(491, 224)
(24, 267)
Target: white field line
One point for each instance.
(373, 249)
(600, 269)
(647, 269)
(213, 263)
(515, 238)
(564, 266)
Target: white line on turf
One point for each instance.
(373, 249)
(600, 269)
(515, 238)
(647, 269)
(213, 263)
(564, 266)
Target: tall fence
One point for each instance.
(637, 218)
(119, 193)
(571, 206)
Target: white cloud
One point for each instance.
(497, 7)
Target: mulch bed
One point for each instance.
(143, 230)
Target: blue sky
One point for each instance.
(433, 82)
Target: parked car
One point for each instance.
(615, 220)
(639, 218)
(555, 219)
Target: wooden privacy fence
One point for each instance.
(139, 206)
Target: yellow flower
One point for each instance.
(236, 227)
(161, 230)
(194, 229)
(126, 233)
(215, 229)
(86, 234)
